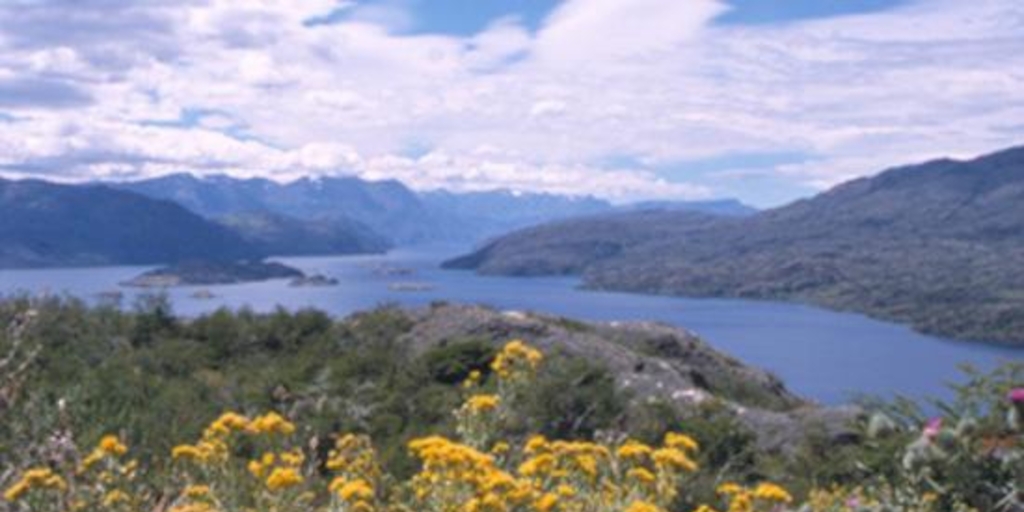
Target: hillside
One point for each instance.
(938, 245)
(45, 224)
(286, 236)
(393, 371)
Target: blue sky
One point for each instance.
(762, 100)
(467, 17)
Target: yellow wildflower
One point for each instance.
(270, 423)
(546, 502)
(534, 444)
(472, 380)
(111, 445)
(642, 506)
(356, 490)
(642, 475)
(673, 458)
(771, 492)
(516, 360)
(633, 450)
(680, 442)
(729, 488)
(500, 448)
(38, 478)
(482, 403)
(115, 497)
(283, 478)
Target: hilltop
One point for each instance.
(938, 245)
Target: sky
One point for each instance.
(761, 100)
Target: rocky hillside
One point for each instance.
(650, 362)
(938, 245)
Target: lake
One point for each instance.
(823, 355)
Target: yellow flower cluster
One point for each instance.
(470, 474)
(357, 472)
(461, 476)
(114, 498)
(282, 478)
(214, 445)
(226, 424)
(516, 361)
(280, 471)
(101, 480)
(482, 403)
(109, 447)
(633, 474)
(275, 471)
(473, 379)
(746, 499)
(33, 479)
(269, 424)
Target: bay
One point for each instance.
(824, 355)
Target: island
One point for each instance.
(410, 287)
(204, 273)
(313, 280)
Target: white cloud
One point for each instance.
(588, 32)
(647, 79)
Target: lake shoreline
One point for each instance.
(825, 355)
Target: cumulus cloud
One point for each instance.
(99, 88)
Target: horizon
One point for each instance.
(703, 100)
(289, 180)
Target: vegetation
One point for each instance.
(107, 410)
(936, 245)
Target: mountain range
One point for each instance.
(183, 217)
(46, 224)
(389, 208)
(939, 245)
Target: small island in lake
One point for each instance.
(410, 287)
(313, 280)
(201, 273)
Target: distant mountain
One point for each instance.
(728, 207)
(286, 236)
(939, 245)
(389, 208)
(481, 215)
(45, 224)
(386, 207)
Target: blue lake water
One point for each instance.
(823, 355)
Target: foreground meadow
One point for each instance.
(492, 452)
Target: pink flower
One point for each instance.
(932, 428)
(1016, 395)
